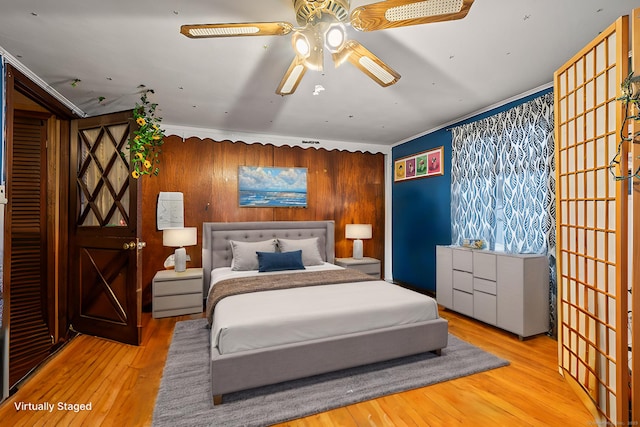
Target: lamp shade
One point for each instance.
(358, 231)
(178, 237)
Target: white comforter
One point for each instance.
(276, 317)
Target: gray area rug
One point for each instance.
(184, 398)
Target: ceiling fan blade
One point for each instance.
(292, 77)
(367, 62)
(234, 30)
(402, 13)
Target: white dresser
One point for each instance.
(175, 294)
(510, 291)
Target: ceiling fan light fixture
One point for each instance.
(315, 61)
(335, 37)
(308, 43)
(340, 56)
(301, 44)
(322, 27)
(423, 9)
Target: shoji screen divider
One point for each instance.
(635, 219)
(592, 225)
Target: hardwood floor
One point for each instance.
(120, 383)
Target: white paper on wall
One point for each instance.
(170, 213)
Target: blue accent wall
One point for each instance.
(421, 208)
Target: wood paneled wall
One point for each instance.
(342, 186)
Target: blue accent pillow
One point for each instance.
(279, 261)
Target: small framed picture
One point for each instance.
(420, 165)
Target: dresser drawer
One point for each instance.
(484, 308)
(171, 302)
(484, 265)
(175, 287)
(463, 260)
(486, 286)
(463, 281)
(463, 302)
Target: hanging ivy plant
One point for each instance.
(145, 145)
(631, 101)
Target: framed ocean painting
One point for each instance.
(270, 187)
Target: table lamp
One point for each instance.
(358, 232)
(179, 238)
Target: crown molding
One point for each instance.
(11, 60)
(254, 138)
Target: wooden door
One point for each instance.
(105, 230)
(26, 238)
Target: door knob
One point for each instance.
(133, 245)
(130, 245)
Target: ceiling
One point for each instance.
(100, 55)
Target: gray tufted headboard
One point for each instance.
(216, 249)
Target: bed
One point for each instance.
(285, 332)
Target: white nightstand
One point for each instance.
(370, 266)
(177, 293)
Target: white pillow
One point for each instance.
(245, 256)
(309, 247)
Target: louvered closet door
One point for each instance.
(592, 224)
(29, 335)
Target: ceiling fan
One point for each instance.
(322, 26)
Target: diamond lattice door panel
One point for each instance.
(103, 177)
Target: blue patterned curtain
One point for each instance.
(503, 166)
(527, 165)
(474, 159)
